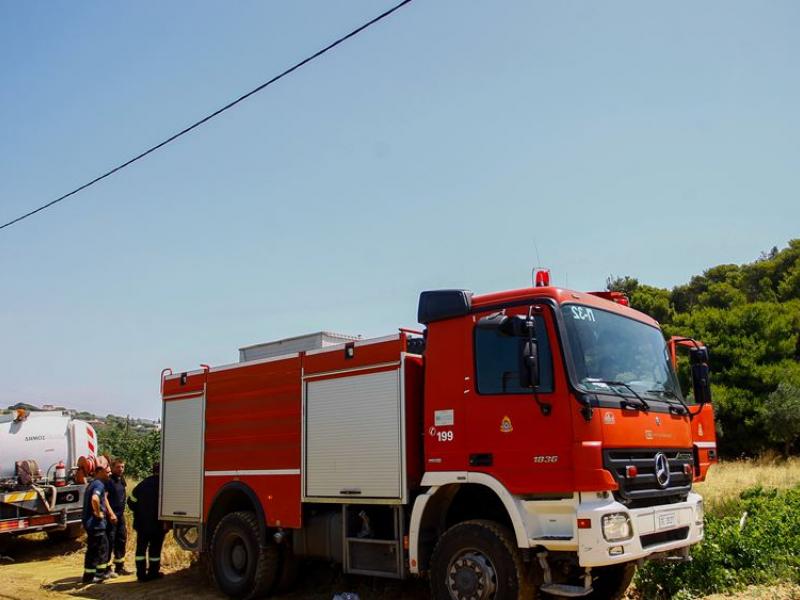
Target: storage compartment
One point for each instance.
(373, 538)
(355, 437)
(373, 557)
(182, 459)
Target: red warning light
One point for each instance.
(617, 297)
(541, 277)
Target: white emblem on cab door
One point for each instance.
(444, 418)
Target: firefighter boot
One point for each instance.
(154, 570)
(141, 568)
(119, 567)
(103, 572)
(91, 576)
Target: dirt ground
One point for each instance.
(34, 568)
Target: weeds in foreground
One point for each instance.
(754, 539)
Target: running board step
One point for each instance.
(565, 591)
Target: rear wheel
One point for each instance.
(478, 560)
(242, 564)
(72, 532)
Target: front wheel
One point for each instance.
(610, 583)
(241, 566)
(478, 560)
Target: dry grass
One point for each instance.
(173, 557)
(726, 480)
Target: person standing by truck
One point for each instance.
(96, 514)
(143, 502)
(117, 533)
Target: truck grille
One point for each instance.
(645, 489)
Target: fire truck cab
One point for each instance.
(529, 441)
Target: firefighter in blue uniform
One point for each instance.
(143, 502)
(96, 517)
(117, 532)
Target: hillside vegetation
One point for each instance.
(139, 448)
(749, 316)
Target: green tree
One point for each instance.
(654, 301)
(749, 317)
(782, 415)
(139, 449)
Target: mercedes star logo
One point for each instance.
(662, 469)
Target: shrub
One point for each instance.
(782, 414)
(755, 540)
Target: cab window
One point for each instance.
(498, 359)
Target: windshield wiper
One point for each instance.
(671, 394)
(612, 384)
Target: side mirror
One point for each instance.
(698, 355)
(529, 367)
(701, 381)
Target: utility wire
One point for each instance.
(217, 112)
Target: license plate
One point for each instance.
(667, 520)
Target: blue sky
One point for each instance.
(436, 150)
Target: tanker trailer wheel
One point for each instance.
(478, 560)
(72, 532)
(240, 565)
(610, 583)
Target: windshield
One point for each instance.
(612, 351)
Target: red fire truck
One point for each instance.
(527, 442)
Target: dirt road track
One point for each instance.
(42, 569)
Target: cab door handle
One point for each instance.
(481, 460)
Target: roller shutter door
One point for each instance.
(182, 459)
(353, 437)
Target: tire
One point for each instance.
(611, 583)
(72, 532)
(241, 566)
(478, 560)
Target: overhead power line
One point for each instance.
(217, 112)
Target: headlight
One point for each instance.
(699, 513)
(617, 527)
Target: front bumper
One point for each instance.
(654, 529)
